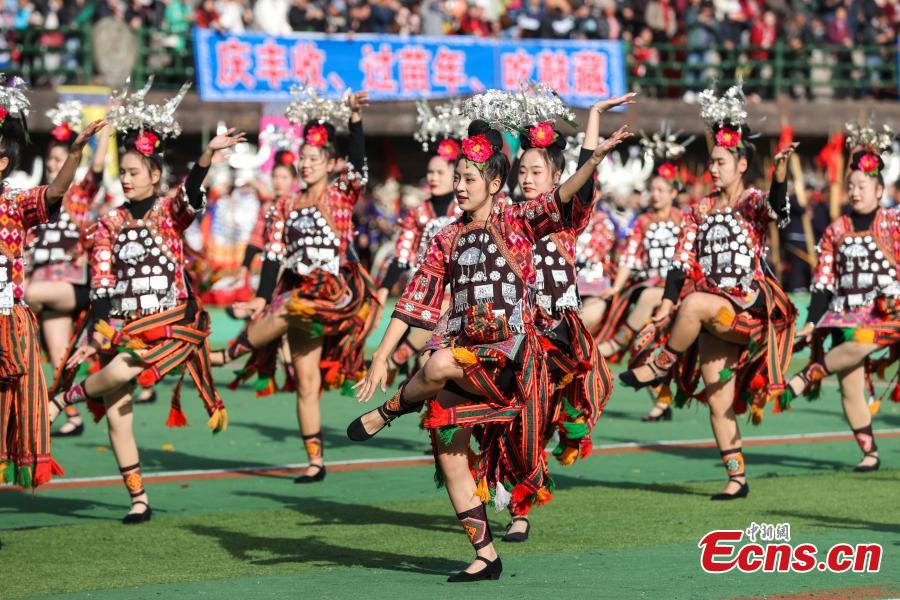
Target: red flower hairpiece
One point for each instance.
(448, 150)
(287, 158)
(868, 164)
(62, 132)
(477, 149)
(667, 171)
(3, 114)
(146, 143)
(542, 135)
(317, 136)
(728, 138)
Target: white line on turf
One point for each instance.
(386, 460)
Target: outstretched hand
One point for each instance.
(358, 101)
(88, 133)
(610, 103)
(226, 140)
(781, 161)
(607, 145)
(375, 378)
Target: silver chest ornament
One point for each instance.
(54, 241)
(482, 275)
(554, 284)
(726, 250)
(432, 228)
(310, 243)
(863, 273)
(145, 272)
(660, 240)
(7, 297)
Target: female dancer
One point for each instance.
(147, 321)
(57, 289)
(743, 321)
(579, 375)
(646, 260)
(324, 299)
(439, 134)
(855, 293)
(488, 373)
(24, 429)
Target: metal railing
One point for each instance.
(52, 57)
(811, 71)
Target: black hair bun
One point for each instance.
(13, 137)
(479, 127)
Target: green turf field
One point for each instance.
(623, 524)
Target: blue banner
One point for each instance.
(262, 68)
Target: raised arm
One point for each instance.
(778, 202)
(357, 153)
(57, 189)
(573, 184)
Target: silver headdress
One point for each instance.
(67, 113)
(13, 98)
(308, 105)
(517, 111)
(279, 138)
(444, 121)
(867, 136)
(130, 111)
(621, 177)
(730, 108)
(664, 145)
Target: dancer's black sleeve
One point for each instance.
(357, 153)
(250, 253)
(392, 276)
(100, 308)
(586, 193)
(778, 199)
(193, 183)
(818, 304)
(674, 282)
(268, 277)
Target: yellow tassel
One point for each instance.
(364, 312)
(568, 456)
(864, 336)
(297, 308)
(543, 495)
(875, 407)
(756, 414)
(136, 344)
(566, 380)
(482, 491)
(3, 467)
(464, 357)
(105, 329)
(219, 420)
(725, 317)
(665, 395)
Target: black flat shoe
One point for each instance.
(629, 379)
(319, 476)
(356, 431)
(665, 415)
(868, 468)
(741, 493)
(74, 432)
(492, 571)
(518, 536)
(148, 399)
(138, 518)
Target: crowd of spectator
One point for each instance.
(842, 26)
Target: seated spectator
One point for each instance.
(661, 19)
(529, 19)
(473, 22)
(234, 15)
(271, 17)
(206, 15)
